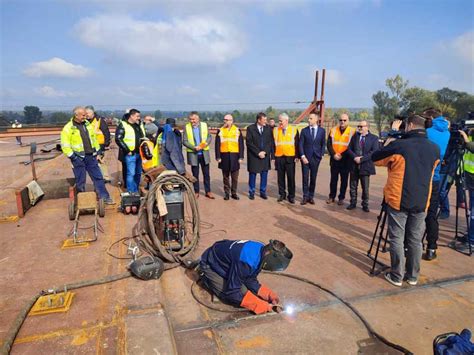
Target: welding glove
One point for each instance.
(255, 304)
(268, 295)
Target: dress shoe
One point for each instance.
(351, 207)
(281, 198)
(311, 201)
(430, 254)
(365, 209)
(226, 197)
(304, 202)
(329, 201)
(251, 197)
(235, 197)
(264, 196)
(340, 202)
(291, 200)
(197, 194)
(210, 195)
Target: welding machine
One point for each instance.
(173, 224)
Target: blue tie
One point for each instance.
(312, 132)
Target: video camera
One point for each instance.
(462, 125)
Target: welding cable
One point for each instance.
(147, 232)
(364, 321)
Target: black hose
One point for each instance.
(20, 318)
(364, 321)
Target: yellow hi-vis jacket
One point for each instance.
(129, 137)
(71, 141)
(229, 139)
(469, 160)
(204, 133)
(96, 125)
(147, 163)
(340, 142)
(284, 144)
(156, 151)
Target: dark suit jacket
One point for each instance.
(366, 166)
(309, 146)
(257, 143)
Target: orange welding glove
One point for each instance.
(255, 304)
(202, 145)
(268, 295)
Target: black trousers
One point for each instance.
(364, 182)
(205, 172)
(215, 283)
(310, 172)
(432, 225)
(336, 171)
(286, 171)
(234, 175)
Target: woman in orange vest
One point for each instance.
(229, 155)
(286, 147)
(337, 144)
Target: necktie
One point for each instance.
(312, 132)
(260, 129)
(362, 144)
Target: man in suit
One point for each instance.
(363, 144)
(311, 147)
(259, 141)
(229, 155)
(196, 139)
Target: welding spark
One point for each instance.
(289, 309)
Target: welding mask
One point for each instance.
(276, 256)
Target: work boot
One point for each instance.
(430, 254)
(226, 197)
(264, 196)
(351, 206)
(235, 197)
(251, 197)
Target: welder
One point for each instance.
(229, 270)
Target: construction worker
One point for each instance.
(17, 124)
(146, 154)
(171, 152)
(229, 154)
(341, 163)
(229, 270)
(128, 136)
(101, 130)
(196, 139)
(79, 144)
(286, 147)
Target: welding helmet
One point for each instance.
(276, 256)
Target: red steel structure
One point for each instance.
(316, 105)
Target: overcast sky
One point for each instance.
(184, 55)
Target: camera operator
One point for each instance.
(411, 162)
(469, 174)
(438, 133)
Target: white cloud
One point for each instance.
(56, 67)
(50, 92)
(333, 77)
(187, 90)
(464, 46)
(194, 40)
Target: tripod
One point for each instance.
(383, 236)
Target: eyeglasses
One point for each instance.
(342, 120)
(226, 119)
(361, 126)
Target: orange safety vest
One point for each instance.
(340, 142)
(229, 139)
(98, 133)
(146, 163)
(284, 144)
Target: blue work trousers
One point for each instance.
(253, 182)
(89, 163)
